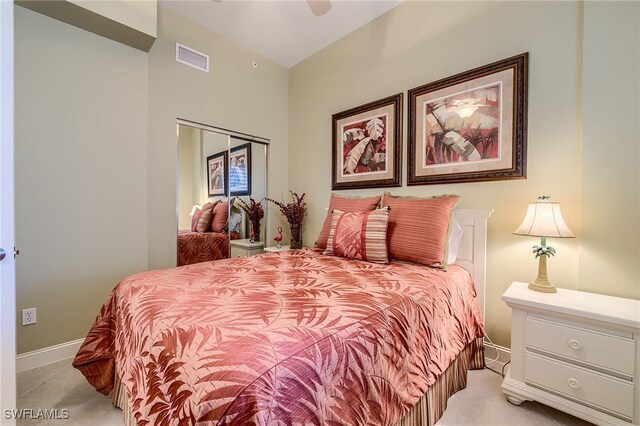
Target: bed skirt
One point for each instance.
(426, 412)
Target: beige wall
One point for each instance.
(233, 96)
(81, 173)
(610, 209)
(96, 155)
(420, 42)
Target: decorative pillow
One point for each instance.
(345, 204)
(235, 221)
(220, 216)
(195, 219)
(455, 236)
(198, 214)
(419, 228)
(359, 235)
(204, 222)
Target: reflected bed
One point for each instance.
(196, 247)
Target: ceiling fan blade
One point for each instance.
(319, 7)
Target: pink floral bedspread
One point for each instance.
(280, 339)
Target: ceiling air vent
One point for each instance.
(193, 58)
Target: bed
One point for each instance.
(292, 338)
(196, 247)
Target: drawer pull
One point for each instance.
(575, 344)
(573, 383)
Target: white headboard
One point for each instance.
(472, 254)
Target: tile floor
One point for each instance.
(60, 386)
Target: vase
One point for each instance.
(254, 231)
(296, 235)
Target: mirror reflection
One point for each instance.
(218, 176)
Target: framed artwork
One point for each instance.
(216, 176)
(240, 170)
(367, 145)
(470, 127)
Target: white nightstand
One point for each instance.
(275, 249)
(577, 352)
(242, 248)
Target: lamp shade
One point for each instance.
(544, 219)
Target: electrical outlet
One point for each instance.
(29, 316)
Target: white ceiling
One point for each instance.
(285, 31)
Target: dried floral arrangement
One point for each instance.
(254, 210)
(294, 211)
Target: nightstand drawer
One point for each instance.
(582, 344)
(243, 252)
(587, 387)
(244, 247)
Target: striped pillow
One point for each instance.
(204, 222)
(345, 204)
(419, 228)
(198, 214)
(195, 219)
(359, 235)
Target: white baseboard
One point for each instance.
(504, 356)
(44, 356)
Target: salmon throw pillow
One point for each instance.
(345, 204)
(198, 224)
(359, 235)
(419, 228)
(220, 216)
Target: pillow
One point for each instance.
(419, 228)
(454, 242)
(198, 214)
(235, 220)
(359, 235)
(204, 222)
(220, 216)
(345, 204)
(195, 219)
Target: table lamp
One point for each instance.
(543, 219)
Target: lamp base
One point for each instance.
(541, 282)
(544, 288)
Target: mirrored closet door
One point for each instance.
(220, 172)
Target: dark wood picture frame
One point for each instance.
(219, 159)
(443, 145)
(373, 134)
(238, 153)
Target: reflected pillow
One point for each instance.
(345, 204)
(195, 219)
(198, 215)
(235, 221)
(220, 216)
(359, 235)
(204, 223)
(419, 228)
